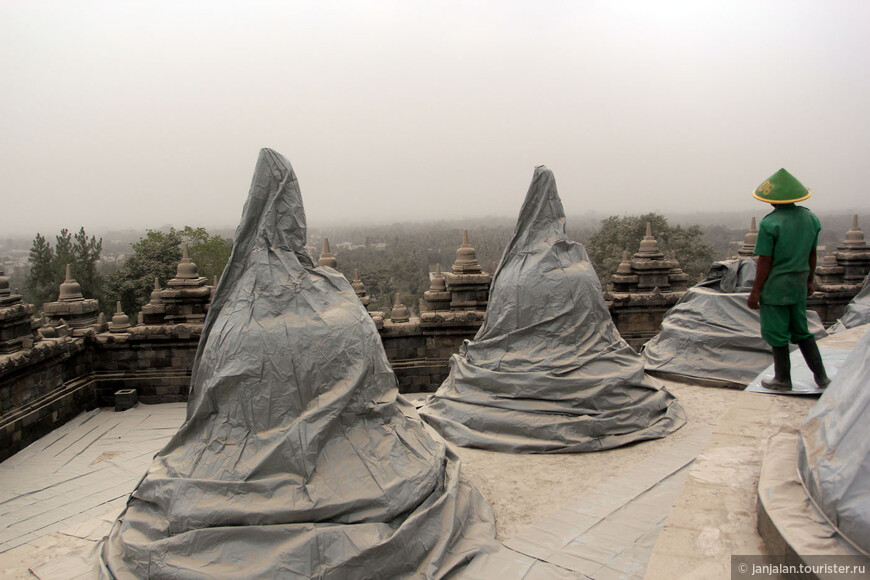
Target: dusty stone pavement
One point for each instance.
(713, 517)
(521, 488)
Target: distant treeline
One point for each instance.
(391, 258)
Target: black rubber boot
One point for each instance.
(781, 380)
(811, 353)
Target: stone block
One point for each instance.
(125, 399)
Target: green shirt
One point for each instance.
(788, 234)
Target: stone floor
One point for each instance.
(80, 471)
(672, 508)
(608, 532)
(715, 515)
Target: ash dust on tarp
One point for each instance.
(711, 334)
(297, 457)
(834, 450)
(548, 371)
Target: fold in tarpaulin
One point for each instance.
(857, 311)
(834, 449)
(548, 371)
(297, 458)
(711, 334)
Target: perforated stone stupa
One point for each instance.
(326, 257)
(186, 297)
(643, 288)
(437, 297)
(360, 289)
(854, 255)
(840, 274)
(747, 250)
(77, 311)
(155, 311)
(467, 283)
(120, 322)
(15, 319)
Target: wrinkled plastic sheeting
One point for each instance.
(712, 334)
(297, 457)
(548, 371)
(731, 276)
(834, 448)
(857, 311)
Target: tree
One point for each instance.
(617, 234)
(48, 265)
(154, 256)
(40, 286)
(209, 252)
(85, 253)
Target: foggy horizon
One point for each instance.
(141, 115)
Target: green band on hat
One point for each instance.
(781, 187)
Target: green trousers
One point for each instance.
(783, 324)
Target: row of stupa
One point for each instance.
(848, 264)
(649, 269)
(647, 279)
(462, 293)
(185, 300)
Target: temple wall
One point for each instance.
(42, 388)
(830, 305)
(420, 352)
(639, 318)
(154, 360)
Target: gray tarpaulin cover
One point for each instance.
(834, 448)
(297, 457)
(712, 334)
(857, 311)
(548, 371)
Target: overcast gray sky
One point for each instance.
(139, 114)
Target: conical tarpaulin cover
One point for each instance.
(857, 310)
(297, 458)
(711, 334)
(834, 449)
(548, 371)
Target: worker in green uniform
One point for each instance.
(786, 249)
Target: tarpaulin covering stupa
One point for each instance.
(711, 333)
(834, 449)
(548, 371)
(857, 310)
(297, 458)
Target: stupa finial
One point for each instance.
(466, 258)
(649, 245)
(120, 321)
(70, 290)
(400, 311)
(326, 257)
(187, 269)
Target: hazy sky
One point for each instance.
(139, 114)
